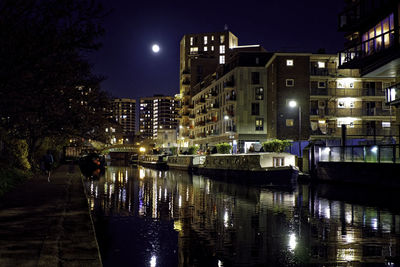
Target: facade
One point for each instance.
(230, 104)
(200, 55)
(373, 44)
(157, 113)
(327, 98)
(124, 113)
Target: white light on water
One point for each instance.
(153, 261)
(292, 241)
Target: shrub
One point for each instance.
(193, 149)
(10, 177)
(173, 150)
(224, 148)
(276, 145)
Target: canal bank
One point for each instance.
(48, 223)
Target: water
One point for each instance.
(145, 217)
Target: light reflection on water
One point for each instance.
(146, 217)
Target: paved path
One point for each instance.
(48, 224)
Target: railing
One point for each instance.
(367, 48)
(229, 84)
(350, 112)
(368, 154)
(319, 91)
(358, 130)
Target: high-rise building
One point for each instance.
(124, 113)
(200, 55)
(157, 113)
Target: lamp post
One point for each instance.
(293, 104)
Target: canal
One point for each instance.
(145, 217)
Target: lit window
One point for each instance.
(321, 84)
(385, 124)
(191, 40)
(222, 39)
(194, 50)
(205, 40)
(289, 122)
(321, 64)
(289, 82)
(259, 124)
(206, 48)
(259, 93)
(222, 49)
(212, 37)
(289, 62)
(212, 48)
(221, 59)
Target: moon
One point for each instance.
(155, 48)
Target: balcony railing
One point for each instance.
(367, 48)
(229, 84)
(359, 130)
(319, 91)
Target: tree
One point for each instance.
(47, 88)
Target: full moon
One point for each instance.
(155, 48)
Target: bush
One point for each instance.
(9, 177)
(193, 150)
(276, 145)
(224, 148)
(17, 150)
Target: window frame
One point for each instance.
(289, 85)
(258, 127)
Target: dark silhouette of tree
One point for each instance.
(47, 88)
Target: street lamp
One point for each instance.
(293, 104)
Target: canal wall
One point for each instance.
(381, 174)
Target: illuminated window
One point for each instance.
(212, 37)
(386, 124)
(259, 124)
(194, 50)
(222, 39)
(321, 64)
(206, 48)
(205, 40)
(289, 122)
(289, 82)
(259, 93)
(289, 62)
(222, 49)
(191, 40)
(221, 59)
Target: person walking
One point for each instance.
(48, 164)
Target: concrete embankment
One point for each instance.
(48, 223)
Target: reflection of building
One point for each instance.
(157, 113)
(373, 43)
(200, 54)
(124, 113)
(230, 105)
(245, 226)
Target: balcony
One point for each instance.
(200, 123)
(372, 92)
(319, 91)
(315, 71)
(353, 57)
(201, 135)
(204, 111)
(375, 112)
(186, 82)
(231, 98)
(214, 106)
(192, 116)
(229, 84)
(346, 92)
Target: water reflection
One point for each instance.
(146, 217)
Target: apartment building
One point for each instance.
(124, 113)
(200, 55)
(326, 98)
(373, 44)
(157, 114)
(230, 104)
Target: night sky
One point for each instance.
(133, 70)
